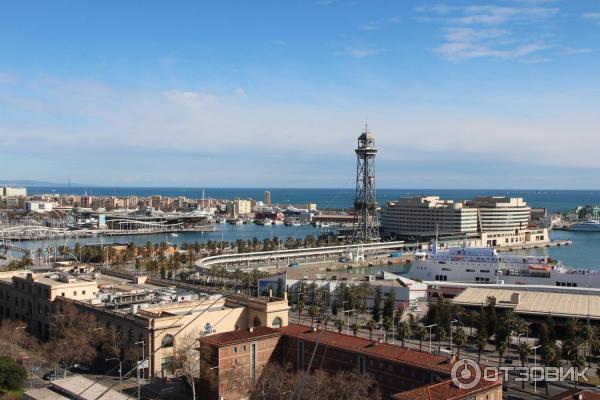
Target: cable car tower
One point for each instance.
(366, 224)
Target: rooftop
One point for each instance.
(558, 304)
(232, 337)
(77, 387)
(379, 350)
(445, 390)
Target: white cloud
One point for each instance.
(592, 16)
(239, 92)
(505, 32)
(206, 126)
(360, 52)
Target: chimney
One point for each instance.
(285, 295)
(314, 329)
(379, 340)
(251, 329)
(514, 298)
(270, 294)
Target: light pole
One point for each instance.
(430, 326)
(535, 366)
(143, 343)
(348, 321)
(120, 370)
(451, 322)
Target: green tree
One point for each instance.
(339, 324)
(421, 335)
(403, 331)
(480, 342)
(440, 335)
(491, 319)
(313, 311)
(501, 346)
(377, 304)
(354, 328)
(371, 326)
(12, 374)
(524, 350)
(389, 305)
(387, 326)
(549, 355)
(460, 339)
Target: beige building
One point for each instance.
(154, 312)
(501, 213)
(239, 207)
(28, 297)
(426, 216)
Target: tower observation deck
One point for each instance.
(366, 225)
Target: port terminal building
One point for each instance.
(482, 221)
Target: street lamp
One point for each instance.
(535, 366)
(451, 322)
(120, 370)
(348, 323)
(430, 326)
(143, 343)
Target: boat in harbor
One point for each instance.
(486, 265)
(587, 226)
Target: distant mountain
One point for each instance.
(29, 182)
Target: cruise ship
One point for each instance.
(486, 265)
(587, 226)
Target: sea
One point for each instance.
(584, 252)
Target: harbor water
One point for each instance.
(584, 252)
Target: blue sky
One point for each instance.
(461, 94)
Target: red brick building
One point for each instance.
(238, 358)
(399, 372)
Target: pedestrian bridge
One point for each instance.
(271, 258)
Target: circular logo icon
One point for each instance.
(466, 374)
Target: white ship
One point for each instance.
(587, 226)
(486, 265)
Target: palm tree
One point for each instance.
(588, 335)
(371, 324)
(421, 335)
(549, 356)
(339, 324)
(501, 346)
(354, 328)
(313, 311)
(387, 326)
(460, 338)
(480, 342)
(440, 335)
(403, 331)
(326, 320)
(524, 350)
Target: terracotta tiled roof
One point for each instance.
(573, 394)
(445, 390)
(364, 346)
(232, 337)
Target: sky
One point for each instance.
(459, 94)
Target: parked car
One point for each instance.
(49, 376)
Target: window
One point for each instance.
(276, 322)
(361, 365)
(167, 341)
(75, 293)
(83, 292)
(234, 349)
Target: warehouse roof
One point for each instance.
(533, 302)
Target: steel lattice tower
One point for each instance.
(366, 226)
